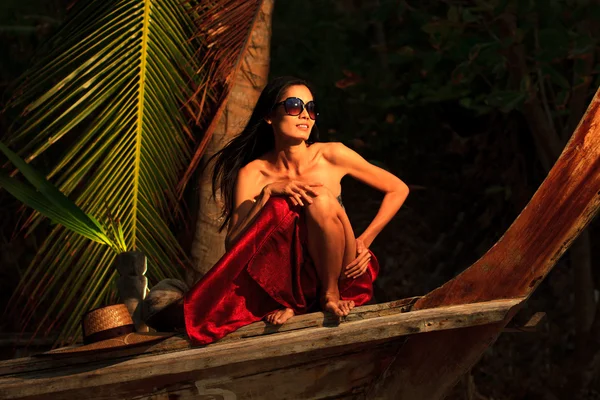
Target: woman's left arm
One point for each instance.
(395, 190)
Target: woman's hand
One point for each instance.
(361, 263)
(298, 192)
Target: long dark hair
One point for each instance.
(256, 139)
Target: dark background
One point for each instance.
(445, 94)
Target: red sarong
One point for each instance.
(267, 269)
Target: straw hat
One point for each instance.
(108, 328)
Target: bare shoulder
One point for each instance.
(335, 152)
(251, 170)
(250, 175)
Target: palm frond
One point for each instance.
(224, 27)
(108, 104)
(44, 197)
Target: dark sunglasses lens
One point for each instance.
(311, 108)
(293, 106)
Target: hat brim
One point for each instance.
(120, 342)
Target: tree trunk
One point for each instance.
(248, 79)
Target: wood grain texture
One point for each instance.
(343, 375)
(180, 342)
(119, 377)
(276, 375)
(563, 205)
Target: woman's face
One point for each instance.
(289, 126)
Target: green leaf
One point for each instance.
(506, 100)
(49, 191)
(553, 43)
(562, 98)
(453, 14)
(582, 45)
(468, 16)
(34, 199)
(475, 105)
(501, 6)
(112, 91)
(555, 77)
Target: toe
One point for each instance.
(345, 311)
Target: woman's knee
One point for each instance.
(323, 205)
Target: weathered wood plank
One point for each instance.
(530, 326)
(172, 367)
(238, 373)
(244, 377)
(563, 205)
(346, 375)
(181, 342)
(320, 319)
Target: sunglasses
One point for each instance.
(294, 106)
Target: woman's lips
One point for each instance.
(304, 127)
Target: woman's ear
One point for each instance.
(268, 120)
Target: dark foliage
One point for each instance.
(456, 98)
(469, 103)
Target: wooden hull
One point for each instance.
(317, 358)
(380, 352)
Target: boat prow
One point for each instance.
(311, 356)
(413, 350)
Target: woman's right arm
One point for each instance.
(245, 220)
(247, 204)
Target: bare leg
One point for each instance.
(350, 240)
(279, 317)
(331, 245)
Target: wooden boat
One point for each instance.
(407, 349)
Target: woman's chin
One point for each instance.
(297, 136)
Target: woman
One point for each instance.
(277, 157)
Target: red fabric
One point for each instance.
(267, 269)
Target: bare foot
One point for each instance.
(332, 303)
(279, 317)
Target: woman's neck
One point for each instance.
(291, 158)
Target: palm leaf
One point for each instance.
(238, 36)
(51, 203)
(226, 27)
(107, 104)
